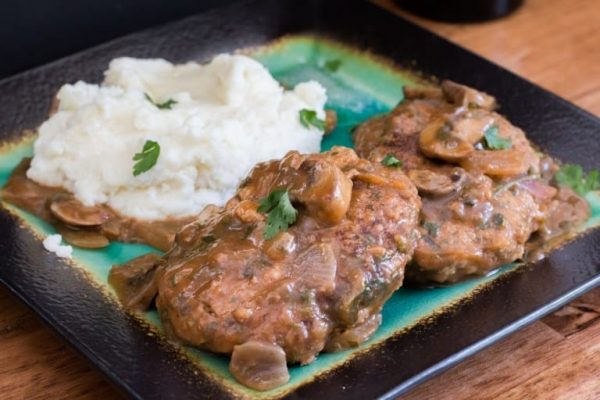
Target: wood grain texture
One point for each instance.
(554, 43)
(35, 364)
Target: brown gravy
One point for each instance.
(82, 226)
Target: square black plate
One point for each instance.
(142, 364)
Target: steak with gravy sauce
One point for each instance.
(485, 189)
(319, 285)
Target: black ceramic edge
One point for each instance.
(391, 367)
(490, 340)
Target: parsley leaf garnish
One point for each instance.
(498, 219)
(332, 65)
(309, 117)
(432, 228)
(280, 212)
(495, 142)
(391, 161)
(167, 105)
(572, 175)
(147, 158)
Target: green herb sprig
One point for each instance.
(495, 142)
(391, 161)
(147, 158)
(167, 105)
(309, 118)
(573, 176)
(280, 212)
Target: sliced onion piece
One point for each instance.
(317, 267)
(259, 365)
(354, 336)
(539, 190)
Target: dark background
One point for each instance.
(33, 32)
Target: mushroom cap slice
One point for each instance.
(84, 238)
(467, 96)
(72, 212)
(429, 182)
(437, 141)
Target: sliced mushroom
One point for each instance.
(259, 365)
(498, 163)
(159, 234)
(354, 336)
(437, 141)
(134, 281)
(84, 238)
(429, 92)
(324, 189)
(437, 184)
(330, 121)
(70, 211)
(470, 126)
(467, 96)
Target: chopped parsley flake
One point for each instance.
(432, 228)
(332, 65)
(498, 219)
(280, 212)
(495, 142)
(572, 175)
(391, 161)
(147, 158)
(167, 105)
(309, 118)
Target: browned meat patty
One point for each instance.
(472, 230)
(449, 124)
(479, 178)
(319, 285)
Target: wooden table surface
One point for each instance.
(554, 43)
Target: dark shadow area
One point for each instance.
(34, 32)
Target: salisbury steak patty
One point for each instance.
(484, 188)
(319, 285)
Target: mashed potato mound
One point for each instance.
(229, 115)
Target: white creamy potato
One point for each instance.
(53, 244)
(229, 115)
